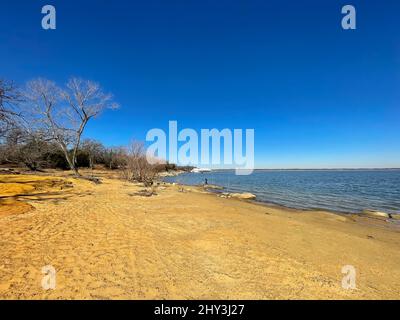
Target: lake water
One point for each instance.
(336, 190)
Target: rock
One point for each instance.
(376, 213)
(243, 196)
(224, 195)
(212, 186)
(170, 173)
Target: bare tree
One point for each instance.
(137, 167)
(64, 114)
(9, 96)
(10, 146)
(115, 157)
(32, 152)
(94, 150)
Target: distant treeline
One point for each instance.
(20, 149)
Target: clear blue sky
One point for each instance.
(316, 95)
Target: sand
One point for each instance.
(107, 242)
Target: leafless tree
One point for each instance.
(9, 153)
(32, 152)
(9, 97)
(62, 114)
(115, 157)
(18, 148)
(137, 167)
(94, 150)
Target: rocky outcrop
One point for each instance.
(376, 213)
(240, 196)
(243, 196)
(170, 173)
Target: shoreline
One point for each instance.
(219, 190)
(109, 241)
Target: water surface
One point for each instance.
(336, 190)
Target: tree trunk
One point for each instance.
(72, 166)
(76, 147)
(71, 162)
(76, 171)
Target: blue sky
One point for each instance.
(316, 95)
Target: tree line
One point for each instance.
(42, 124)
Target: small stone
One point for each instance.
(243, 196)
(377, 213)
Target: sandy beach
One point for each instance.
(107, 241)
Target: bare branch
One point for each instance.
(64, 114)
(9, 98)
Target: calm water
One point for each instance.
(337, 190)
